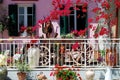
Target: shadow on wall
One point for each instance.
(116, 73)
(102, 76)
(8, 78)
(5, 34)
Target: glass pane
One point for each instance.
(81, 19)
(21, 10)
(29, 10)
(71, 22)
(72, 10)
(21, 21)
(29, 20)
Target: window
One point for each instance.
(20, 15)
(1, 1)
(25, 15)
(75, 21)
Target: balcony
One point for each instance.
(44, 54)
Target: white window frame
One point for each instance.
(75, 17)
(25, 13)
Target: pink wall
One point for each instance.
(43, 8)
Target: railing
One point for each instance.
(71, 52)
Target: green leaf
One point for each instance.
(102, 52)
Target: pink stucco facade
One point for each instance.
(43, 9)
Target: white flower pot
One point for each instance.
(90, 74)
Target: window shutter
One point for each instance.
(63, 24)
(13, 20)
(1, 1)
(34, 14)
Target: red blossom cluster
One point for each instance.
(58, 69)
(79, 33)
(22, 29)
(105, 5)
(117, 3)
(75, 46)
(103, 31)
(62, 8)
(28, 29)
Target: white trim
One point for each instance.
(25, 14)
(75, 19)
(22, 5)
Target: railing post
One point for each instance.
(49, 43)
(85, 52)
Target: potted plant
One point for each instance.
(3, 68)
(23, 68)
(65, 73)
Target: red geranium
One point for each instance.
(22, 29)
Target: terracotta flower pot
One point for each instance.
(21, 75)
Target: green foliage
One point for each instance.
(1, 52)
(102, 52)
(66, 74)
(22, 66)
(67, 36)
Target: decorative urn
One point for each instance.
(90, 74)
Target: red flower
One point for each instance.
(78, 1)
(103, 31)
(33, 41)
(75, 46)
(85, 5)
(56, 66)
(82, 32)
(90, 26)
(22, 29)
(54, 15)
(106, 5)
(75, 33)
(117, 3)
(51, 74)
(34, 28)
(90, 20)
(84, 10)
(76, 8)
(97, 18)
(95, 35)
(53, 3)
(94, 28)
(78, 74)
(104, 15)
(95, 10)
(41, 21)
